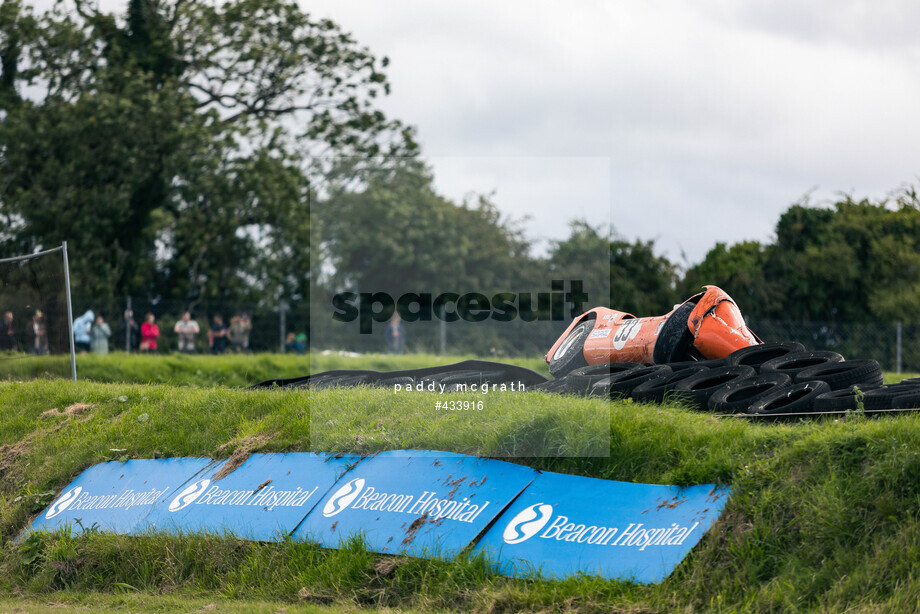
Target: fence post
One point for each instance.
(898, 347)
(73, 351)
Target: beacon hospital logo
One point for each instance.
(188, 495)
(358, 495)
(204, 492)
(343, 497)
(534, 521)
(64, 502)
(527, 523)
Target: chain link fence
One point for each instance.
(274, 327)
(271, 324)
(895, 345)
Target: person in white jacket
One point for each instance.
(81, 329)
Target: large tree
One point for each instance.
(854, 261)
(641, 282)
(395, 233)
(738, 269)
(176, 146)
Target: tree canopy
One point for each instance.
(853, 261)
(176, 146)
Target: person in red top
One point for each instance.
(149, 334)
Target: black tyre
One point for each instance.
(847, 399)
(756, 355)
(738, 396)
(908, 400)
(339, 381)
(583, 385)
(840, 375)
(581, 376)
(885, 397)
(697, 388)
(570, 354)
(879, 398)
(390, 382)
(600, 388)
(794, 399)
(793, 363)
(470, 377)
(687, 364)
(675, 339)
(553, 385)
(655, 389)
(622, 384)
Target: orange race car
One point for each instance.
(707, 325)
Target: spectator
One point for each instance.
(295, 344)
(81, 329)
(8, 333)
(149, 333)
(395, 335)
(99, 336)
(238, 333)
(127, 335)
(38, 335)
(217, 336)
(186, 328)
(300, 345)
(246, 327)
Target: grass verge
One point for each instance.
(231, 370)
(825, 515)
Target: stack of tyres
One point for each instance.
(739, 396)
(765, 380)
(791, 381)
(872, 399)
(698, 389)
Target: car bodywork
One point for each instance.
(707, 325)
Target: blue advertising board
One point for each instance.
(563, 524)
(116, 496)
(415, 502)
(263, 499)
(419, 502)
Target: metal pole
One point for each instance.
(283, 322)
(898, 346)
(31, 256)
(73, 350)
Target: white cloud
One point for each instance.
(716, 116)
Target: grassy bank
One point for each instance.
(825, 515)
(232, 370)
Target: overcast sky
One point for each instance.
(684, 122)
